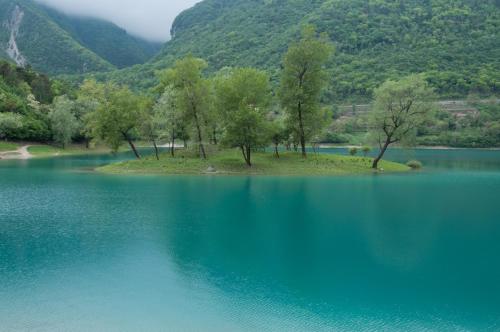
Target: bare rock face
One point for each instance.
(13, 25)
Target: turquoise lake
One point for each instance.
(81, 251)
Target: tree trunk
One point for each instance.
(200, 139)
(246, 155)
(87, 143)
(132, 146)
(156, 150)
(302, 132)
(172, 144)
(276, 152)
(215, 136)
(249, 156)
(381, 154)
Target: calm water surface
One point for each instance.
(81, 251)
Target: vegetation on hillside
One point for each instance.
(24, 99)
(455, 44)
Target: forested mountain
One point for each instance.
(456, 43)
(32, 34)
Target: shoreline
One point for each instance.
(420, 147)
(230, 163)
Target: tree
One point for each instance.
(399, 108)
(278, 134)
(8, 123)
(243, 99)
(118, 117)
(167, 117)
(62, 121)
(192, 93)
(302, 81)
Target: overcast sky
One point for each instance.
(149, 19)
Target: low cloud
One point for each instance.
(150, 19)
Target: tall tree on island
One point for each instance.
(118, 116)
(243, 99)
(192, 92)
(302, 80)
(167, 119)
(399, 108)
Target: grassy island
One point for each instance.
(229, 162)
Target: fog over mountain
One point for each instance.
(150, 19)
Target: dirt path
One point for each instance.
(21, 153)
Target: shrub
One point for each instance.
(366, 150)
(353, 151)
(414, 164)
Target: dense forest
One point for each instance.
(455, 43)
(25, 96)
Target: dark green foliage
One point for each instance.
(455, 43)
(25, 93)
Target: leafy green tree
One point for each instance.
(9, 122)
(399, 108)
(168, 118)
(302, 80)
(243, 99)
(278, 134)
(62, 121)
(118, 117)
(192, 92)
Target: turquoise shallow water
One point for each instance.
(81, 251)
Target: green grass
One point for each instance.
(41, 151)
(8, 146)
(230, 162)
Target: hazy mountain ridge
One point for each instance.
(55, 43)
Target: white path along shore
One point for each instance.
(21, 153)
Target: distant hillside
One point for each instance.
(107, 40)
(31, 34)
(457, 43)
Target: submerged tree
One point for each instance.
(243, 99)
(399, 108)
(302, 81)
(192, 92)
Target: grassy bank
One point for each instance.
(8, 146)
(230, 162)
(41, 151)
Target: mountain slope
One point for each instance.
(58, 44)
(42, 43)
(107, 40)
(456, 43)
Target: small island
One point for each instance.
(228, 162)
